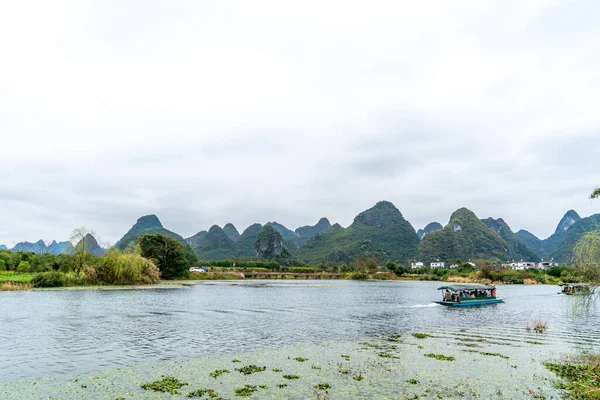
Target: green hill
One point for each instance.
(380, 231)
(150, 224)
(245, 243)
(517, 250)
(303, 233)
(231, 231)
(195, 240)
(432, 226)
(288, 236)
(464, 237)
(532, 242)
(215, 245)
(564, 251)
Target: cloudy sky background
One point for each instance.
(251, 111)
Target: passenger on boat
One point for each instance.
(493, 292)
(463, 295)
(447, 295)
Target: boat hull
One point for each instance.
(471, 303)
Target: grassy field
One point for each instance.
(13, 277)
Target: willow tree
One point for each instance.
(587, 253)
(595, 194)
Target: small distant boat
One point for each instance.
(468, 295)
(574, 289)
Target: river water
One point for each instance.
(69, 332)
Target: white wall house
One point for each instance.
(520, 265)
(439, 264)
(547, 264)
(416, 264)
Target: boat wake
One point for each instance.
(419, 305)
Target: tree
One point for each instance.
(587, 257)
(77, 239)
(595, 194)
(168, 255)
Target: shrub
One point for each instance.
(126, 269)
(168, 255)
(48, 279)
(24, 266)
(359, 276)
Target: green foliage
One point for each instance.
(421, 335)
(48, 280)
(323, 386)
(301, 359)
(24, 266)
(167, 254)
(595, 194)
(201, 392)
(494, 354)
(167, 384)
(587, 257)
(247, 390)
(291, 377)
(117, 268)
(516, 249)
(219, 372)
(564, 250)
(359, 276)
(215, 245)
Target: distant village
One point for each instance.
(516, 265)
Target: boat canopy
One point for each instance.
(457, 287)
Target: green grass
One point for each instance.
(580, 376)
(15, 277)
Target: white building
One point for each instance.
(547, 264)
(439, 264)
(520, 265)
(416, 264)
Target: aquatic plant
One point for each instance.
(421, 335)
(537, 325)
(282, 385)
(301, 359)
(440, 357)
(265, 387)
(314, 367)
(413, 381)
(167, 384)
(386, 355)
(323, 386)
(247, 390)
(419, 347)
(373, 345)
(236, 361)
(276, 370)
(219, 372)
(534, 342)
(291, 377)
(201, 392)
(493, 354)
(581, 375)
(358, 377)
(347, 358)
(250, 369)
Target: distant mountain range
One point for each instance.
(380, 232)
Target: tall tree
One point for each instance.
(168, 255)
(595, 193)
(77, 239)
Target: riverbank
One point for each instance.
(453, 363)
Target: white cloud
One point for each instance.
(266, 110)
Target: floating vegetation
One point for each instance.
(419, 347)
(421, 335)
(347, 358)
(537, 325)
(323, 386)
(201, 392)
(344, 371)
(219, 372)
(440, 357)
(301, 359)
(250, 369)
(167, 384)
(314, 367)
(236, 361)
(282, 385)
(358, 377)
(413, 381)
(463, 330)
(394, 338)
(247, 390)
(276, 370)
(291, 377)
(580, 376)
(373, 345)
(265, 387)
(534, 342)
(493, 354)
(386, 355)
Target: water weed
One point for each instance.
(422, 335)
(219, 372)
(291, 377)
(301, 359)
(247, 390)
(201, 392)
(493, 354)
(250, 369)
(167, 384)
(440, 357)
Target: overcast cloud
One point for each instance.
(251, 111)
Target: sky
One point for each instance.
(252, 111)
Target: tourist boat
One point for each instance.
(468, 295)
(571, 289)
